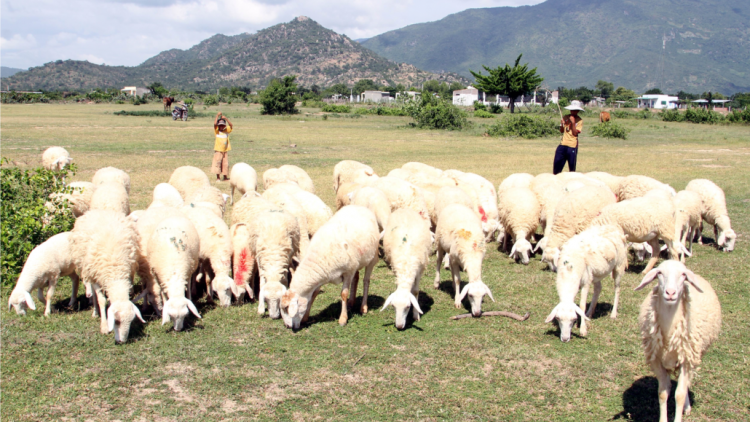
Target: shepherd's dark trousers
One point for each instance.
(564, 154)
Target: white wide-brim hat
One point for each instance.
(575, 105)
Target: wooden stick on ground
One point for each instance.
(496, 313)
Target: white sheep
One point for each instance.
(613, 182)
(78, 195)
(483, 193)
(349, 171)
(173, 253)
(244, 178)
(415, 167)
(635, 186)
(407, 244)
(111, 174)
(275, 176)
(640, 250)
(400, 174)
(645, 219)
(459, 234)
(188, 179)
(210, 206)
(376, 201)
(688, 207)
(209, 194)
(44, 266)
(347, 243)
(402, 194)
(515, 180)
(215, 254)
(110, 196)
(586, 259)
(104, 245)
(548, 192)
(679, 320)
(280, 196)
(55, 158)
(302, 178)
(316, 211)
(451, 195)
(166, 195)
(573, 214)
(342, 194)
(714, 211)
(519, 216)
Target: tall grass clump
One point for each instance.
(483, 114)
(610, 130)
(701, 115)
(672, 115)
(524, 126)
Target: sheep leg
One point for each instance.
(440, 255)
(700, 233)
(415, 292)
(353, 291)
(50, 294)
(366, 285)
(231, 190)
(584, 296)
(716, 235)
(616, 275)
(102, 302)
(94, 303)
(456, 273)
(40, 295)
(345, 289)
(665, 384)
(654, 243)
(681, 393)
(309, 305)
(75, 280)
(683, 241)
(595, 298)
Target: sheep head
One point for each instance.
(521, 250)
(225, 288)
(475, 291)
(293, 308)
(20, 300)
(271, 293)
(567, 314)
(727, 236)
(120, 315)
(550, 256)
(402, 300)
(671, 276)
(176, 310)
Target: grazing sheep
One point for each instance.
(586, 259)
(302, 178)
(407, 244)
(208, 194)
(567, 176)
(714, 212)
(580, 182)
(111, 174)
(55, 158)
(349, 171)
(78, 195)
(316, 211)
(274, 176)
(688, 207)
(166, 195)
(679, 320)
(402, 194)
(173, 253)
(347, 243)
(613, 182)
(415, 167)
(548, 192)
(519, 217)
(573, 214)
(644, 219)
(110, 196)
(214, 208)
(243, 178)
(515, 180)
(44, 266)
(635, 186)
(287, 202)
(104, 246)
(375, 200)
(459, 234)
(215, 254)
(486, 202)
(400, 174)
(188, 179)
(543, 178)
(451, 195)
(640, 250)
(342, 194)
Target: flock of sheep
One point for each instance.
(292, 243)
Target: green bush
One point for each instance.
(333, 108)
(739, 116)
(138, 100)
(279, 97)
(524, 126)
(610, 130)
(496, 108)
(672, 115)
(479, 106)
(24, 194)
(483, 114)
(430, 112)
(210, 100)
(563, 102)
(701, 115)
(382, 111)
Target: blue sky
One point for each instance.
(127, 32)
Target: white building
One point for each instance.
(466, 97)
(132, 90)
(657, 101)
(376, 96)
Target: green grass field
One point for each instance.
(235, 365)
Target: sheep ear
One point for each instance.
(489, 293)
(536, 247)
(382, 234)
(262, 301)
(140, 296)
(165, 313)
(249, 291)
(685, 250)
(293, 306)
(415, 303)
(225, 197)
(464, 291)
(722, 239)
(582, 314)
(137, 312)
(691, 278)
(235, 290)
(192, 308)
(650, 276)
(552, 314)
(512, 251)
(29, 301)
(387, 302)
(110, 319)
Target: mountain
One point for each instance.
(9, 71)
(301, 47)
(691, 45)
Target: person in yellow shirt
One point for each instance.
(220, 164)
(571, 125)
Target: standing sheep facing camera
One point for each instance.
(407, 244)
(243, 178)
(173, 253)
(586, 259)
(459, 234)
(111, 196)
(714, 211)
(188, 179)
(104, 246)
(111, 174)
(55, 158)
(347, 243)
(679, 320)
(519, 216)
(349, 171)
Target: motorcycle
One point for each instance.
(180, 112)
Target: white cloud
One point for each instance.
(127, 32)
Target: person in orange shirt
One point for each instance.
(220, 164)
(570, 126)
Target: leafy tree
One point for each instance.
(340, 89)
(682, 95)
(430, 112)
(158, 89)
(511, 81)
(363, 85)
(279, 97)
(740, 100)
(623, 94)
(605, 88)
(653, 91)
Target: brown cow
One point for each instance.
(604, 117)
(167, 101)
